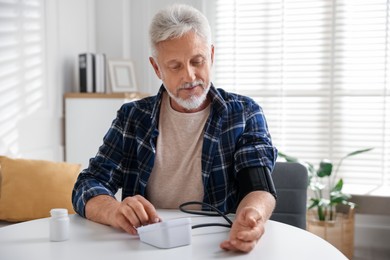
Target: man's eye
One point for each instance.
(175, 67)
(197, 62)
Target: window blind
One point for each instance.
(22, 65)
(320, 70)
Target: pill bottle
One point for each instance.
(59, 225)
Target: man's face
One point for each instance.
(184, 66)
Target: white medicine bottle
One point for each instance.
(59, 225)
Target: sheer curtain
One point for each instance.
(320, 70)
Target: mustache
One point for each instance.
(192, 84)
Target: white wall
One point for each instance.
(113, 28)
(118, 28)
(122, 33)
(35, 129)
(70, 29)
(76, 34)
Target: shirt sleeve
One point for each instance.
(103, 175)
(255, 146)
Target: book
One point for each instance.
(100, 72)
(87, 72)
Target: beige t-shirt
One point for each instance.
(177, 173)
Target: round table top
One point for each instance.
(90, 240)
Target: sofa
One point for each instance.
(30, 188)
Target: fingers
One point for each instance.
(135, 212)
(251, 235)
(236, 245)
(244, 241)
(150, 211)
(246, 231)
(126, 225)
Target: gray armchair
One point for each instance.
(291, 180)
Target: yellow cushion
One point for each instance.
(30, 188)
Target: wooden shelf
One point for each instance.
(124, 95)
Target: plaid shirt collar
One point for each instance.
(218, 105)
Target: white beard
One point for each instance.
(193, 102)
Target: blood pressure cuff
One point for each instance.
(253, 179)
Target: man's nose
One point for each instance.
(189, 74)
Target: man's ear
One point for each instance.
(155, 67)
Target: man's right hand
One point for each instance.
(128, 215)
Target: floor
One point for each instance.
(371, 254)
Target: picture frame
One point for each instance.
(122, 76)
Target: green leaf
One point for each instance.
(325, 169)
(318, 201)
(351, 154)
(358, 152)
(338, 198)
(324, 203)
(314, 203)
(309, 166)
(338, 186)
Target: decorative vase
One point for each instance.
(339, 231)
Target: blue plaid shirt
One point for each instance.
(236, 137)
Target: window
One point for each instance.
(320, 70)
(22, 66)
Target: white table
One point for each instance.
(89, 240)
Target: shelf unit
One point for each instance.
(88, 117)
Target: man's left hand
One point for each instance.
(246, 230)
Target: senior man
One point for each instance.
(190, 142)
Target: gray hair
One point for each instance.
(174, 22)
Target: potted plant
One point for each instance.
(326, 193)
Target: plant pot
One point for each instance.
(339, 232)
